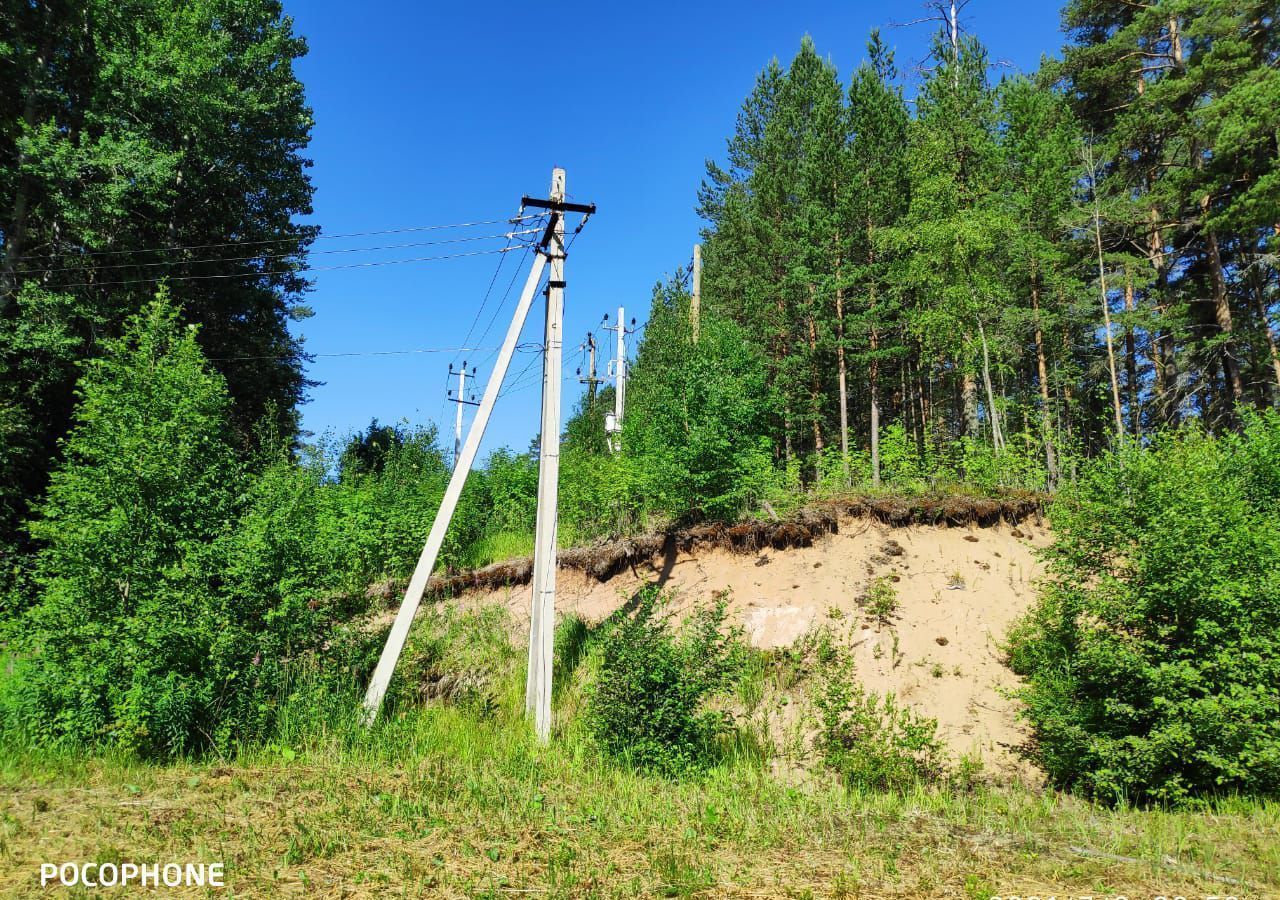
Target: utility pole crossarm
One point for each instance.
(587, 209)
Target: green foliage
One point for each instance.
(697, 416)
(871, 741)
(130, 127)
(457, 656)
(882, 599)
(648, 704)
(1153, 655)
(135, 641)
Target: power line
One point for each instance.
(515, 383)
(355, 353)
(295, 271)
(475, 320)
(492, 319)
(227, 259)
(321, 237)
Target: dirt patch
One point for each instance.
(939, 651)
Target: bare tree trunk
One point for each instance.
(906, 408)
(874, 379)
(1042, 370)
(997, 438)
(786, 433)
(969, 403)
(1106, 306)
(1222, 314)
(815, 386)
(1131, 359)
(922, 417)
(844, 386)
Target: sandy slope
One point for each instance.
(959, 590)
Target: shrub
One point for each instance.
(1153, 655)
(458, 656)
(871, 741)
(648, 704)
(882, 599)
(132, 643)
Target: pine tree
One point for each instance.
(879, 196)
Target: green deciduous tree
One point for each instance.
(1152, 657)
(139, 140)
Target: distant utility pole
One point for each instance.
(550, 249)
(461, 400)
(695, 300)
(618, 372)
(591, 380)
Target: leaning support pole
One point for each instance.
(542, 613)
(427, 561)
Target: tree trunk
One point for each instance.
(922, 402)
(997, 438)
(874, 384)
(815, 385)
(1067, 414)
(1131, 359)
(1261, 303)
(969, 403)
(844, 386)
(1222, 314)
(1042, 370)
(1106, 318)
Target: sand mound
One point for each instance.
(959, 589)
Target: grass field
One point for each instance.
(458, 800)
(440, 804)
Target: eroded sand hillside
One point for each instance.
(959, 590)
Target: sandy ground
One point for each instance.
(959, 590)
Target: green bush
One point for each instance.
(648, 703)
(1153, 656)
(136, 640)
(871, 741)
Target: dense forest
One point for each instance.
(1054, 262)
(141, 141)
(924, 280)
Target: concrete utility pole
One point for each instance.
(695, 299)
(542, 614)
(591, 380)
(617, 371)
(461, 400)
(427, 560)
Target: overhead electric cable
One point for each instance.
(299, 269)
(284, 240)
(227, 259)
(356, 353)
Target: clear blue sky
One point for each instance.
(432, 113)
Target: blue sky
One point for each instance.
(431, 113)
